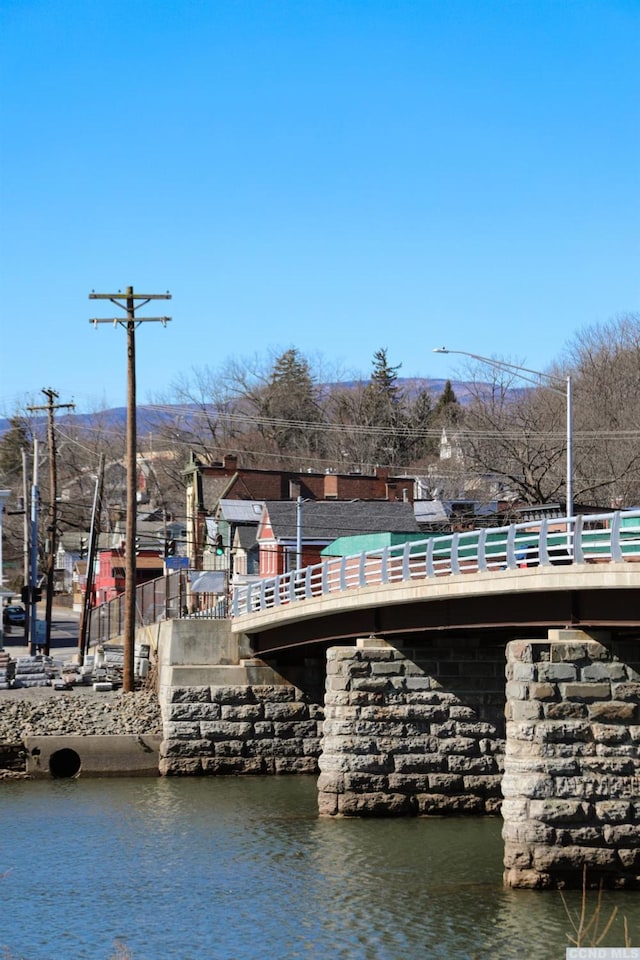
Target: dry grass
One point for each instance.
(590, 928)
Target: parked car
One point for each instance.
(13, 616)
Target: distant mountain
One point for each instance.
(149, 416)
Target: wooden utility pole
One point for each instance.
(85, 623)
(52, 525)
(127, 301)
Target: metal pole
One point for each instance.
(299, 533)
(502, 365)
(33, 577)
(569, 490)
(85, 626)
(26, 551)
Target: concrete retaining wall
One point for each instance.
(92, 756)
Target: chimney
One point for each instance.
(230, 461)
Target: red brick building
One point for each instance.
(207, 484)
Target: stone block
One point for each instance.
(301, 766)
(244, 711)
(614, 711)
(568, 731)
(523, 832)
(567, 651)
(375, 805)
(609, 733)
(458, 745)
(413, 762)
(225, 730)
(285, 711)
(189, 694)
(554, 811)
(549, 859)
(557, 672)
(483, 785)
(446, 783)
(229, 748)
(543, 691)
(408, 783)
(520, 650)
(181, 730)
(585, 691)
(233, 694)
(518, 855)
(614, 811)
(295, 728)
(466, 765)
(565, 709)
(621, 834)
(370, 684)
(626, 691)
(193, 711)
(603, 672)
(630, 858)
(524, 710)
(533, 785)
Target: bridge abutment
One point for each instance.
(226, 712)
(412, 731)
(572, 775)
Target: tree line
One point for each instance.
(507, 439)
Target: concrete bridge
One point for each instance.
(385, 672)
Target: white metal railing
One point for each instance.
(597, 538)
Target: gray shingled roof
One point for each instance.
(326, 520)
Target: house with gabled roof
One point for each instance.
(312, 525)
(208, 484)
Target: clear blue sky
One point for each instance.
(335, 175)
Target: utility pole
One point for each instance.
(85, 623)
(128, 302)
(32, 591)
(52, 525)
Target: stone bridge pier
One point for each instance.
(412, 731)
(572, 775)
(422, 731)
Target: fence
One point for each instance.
(599, 538)
(165, 598)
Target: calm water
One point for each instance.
(242, 869)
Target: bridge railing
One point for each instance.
(594, 538)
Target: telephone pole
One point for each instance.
(130, 302)
(52, 525)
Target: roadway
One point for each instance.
(65, 626)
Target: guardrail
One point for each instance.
(594, 538)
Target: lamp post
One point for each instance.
(521, 372)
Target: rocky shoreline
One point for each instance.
(43, 712)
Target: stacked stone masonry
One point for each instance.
(247, 729)
(572, 773)
(401, 738)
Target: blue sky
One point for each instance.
(337, 175)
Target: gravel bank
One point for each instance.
(42, 711)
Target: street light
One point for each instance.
(521, 371)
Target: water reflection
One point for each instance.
(239, 869)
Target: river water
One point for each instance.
(243, 869)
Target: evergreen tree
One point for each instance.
(386, 411)
(447, 412)
(290, 402)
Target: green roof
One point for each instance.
(348, 546)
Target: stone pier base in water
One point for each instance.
(412, 733)
(572, 770)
